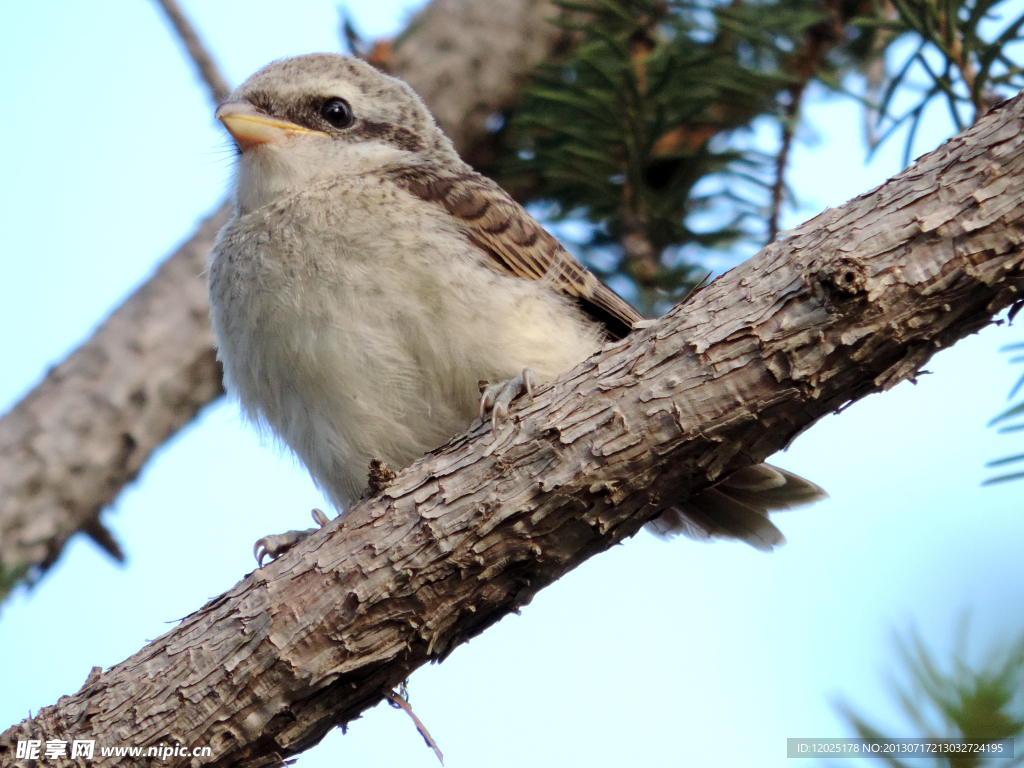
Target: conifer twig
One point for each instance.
(789, 120)
(821, 38)
(197, 51)
(401, 703)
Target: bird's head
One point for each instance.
(300, 120)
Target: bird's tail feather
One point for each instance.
(738, 507)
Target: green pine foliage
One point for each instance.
(639, 130)
(962, 54)
(645, 128)
(958, 702)
(1010, 421)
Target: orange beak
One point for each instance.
(249, 127)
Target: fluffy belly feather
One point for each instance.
(378, 359)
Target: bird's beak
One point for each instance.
(249, 127)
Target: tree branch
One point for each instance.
(83, 433)
(216, 83)
(71, 445)
(853, 302)
(470, 60)
(803, 66)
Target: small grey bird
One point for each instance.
(370, 279)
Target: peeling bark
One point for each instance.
(853, 302)
(73, 443)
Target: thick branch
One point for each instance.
(69, 447)
(86, 430)
(851, 303)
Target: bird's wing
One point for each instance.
(515, 242)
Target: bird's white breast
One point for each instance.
(355, 322)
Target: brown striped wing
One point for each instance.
(516, 243)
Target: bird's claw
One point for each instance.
(276, 545)
(497, 397)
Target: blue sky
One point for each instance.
(654, 653)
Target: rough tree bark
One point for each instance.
(70, 446)
(851, 303)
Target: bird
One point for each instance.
(373, 294)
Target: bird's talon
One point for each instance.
(498, 397)
(500, 413)
(276, 545)
(528, 382)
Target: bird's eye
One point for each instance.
(337, 112)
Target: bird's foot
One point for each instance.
(497, 397)
(276, 545)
